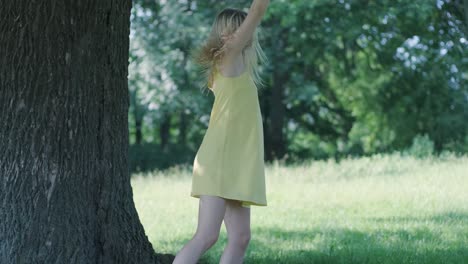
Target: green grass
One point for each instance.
(381, 209)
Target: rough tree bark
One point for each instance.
(65, 190)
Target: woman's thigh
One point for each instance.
(237, 220)
(211, 211)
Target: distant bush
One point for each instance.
(421, 147)
(149, 156)
(457, 146)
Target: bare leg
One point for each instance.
(211, 211)
(237, 222)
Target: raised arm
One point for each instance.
(236, 43)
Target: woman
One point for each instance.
(228, 170)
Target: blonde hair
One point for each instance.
(211, 52)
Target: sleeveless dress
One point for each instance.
(230, 160)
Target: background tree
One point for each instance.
(344, 77)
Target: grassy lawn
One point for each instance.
(381, 209)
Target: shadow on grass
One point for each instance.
(412, 244)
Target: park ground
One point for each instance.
(379, 209)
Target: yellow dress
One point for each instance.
(230, 160)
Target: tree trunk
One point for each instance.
(137, 116)
(266, 128)
(164, 130)
(138, 134)
(277, 108)
(182, 129)
(278, 148)
(65, 193)
(465, 8)
(183, 89)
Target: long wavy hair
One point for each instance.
(211, 52)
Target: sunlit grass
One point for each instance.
(381, 209)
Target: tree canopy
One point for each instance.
(343, 77)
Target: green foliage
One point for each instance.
(422, 147)
(303, 144)
(356, 77)
(150, 156)
(457, 146)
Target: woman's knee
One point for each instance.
(208, 239)
(241, 239)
